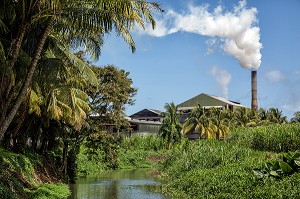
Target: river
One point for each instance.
(122, 184)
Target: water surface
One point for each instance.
(123, 184)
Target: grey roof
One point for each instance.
(146, 113)
(207, 100)
(133, 121)
(155, 111)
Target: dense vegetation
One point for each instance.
(21, 177)
(225, 169)
(56, 106)
(121, 153)
(47, 90)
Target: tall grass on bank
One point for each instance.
(216, 169)
(133, 152)
(276, 138)
(19, 179)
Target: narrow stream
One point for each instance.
(123, 184)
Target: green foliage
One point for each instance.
(210, 123)
(90, 164)
(137, 158)
(50, 191)
(5, 192)
(18, 177)
(214, 169)
(115, 90)
(170, 129)
(148, 142)
(296, 117)
(289, 164)
(105, 142)
(134, 152)
(276, 138)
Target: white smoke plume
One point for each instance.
(223, 78)
(237, 29)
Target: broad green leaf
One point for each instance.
(258, 173)
(276, 166)
(285, 167)
(297, 162)
(274, 173)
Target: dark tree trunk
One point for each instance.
(64, 166)
(5, 124)
(8, 83)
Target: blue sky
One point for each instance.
(186, 55)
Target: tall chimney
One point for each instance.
(254, 105)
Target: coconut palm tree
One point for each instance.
(170, 129)
(198, 121)
(245, 117)
(276, 116)
(296, 117)
(66, 17)
(219, 123)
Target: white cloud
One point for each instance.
(223, 78)
(209, 51)
(293, 107)
(237, 29)
(275, 76)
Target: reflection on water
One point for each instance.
(124, 184)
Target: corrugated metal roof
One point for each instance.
(146, 113)
(207, 100)
(133, 121)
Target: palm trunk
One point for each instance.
(64, 165)
(27, 80)
(8, 93)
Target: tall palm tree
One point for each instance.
(91, 17)
(170, 129)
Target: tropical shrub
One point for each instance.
(289, 164)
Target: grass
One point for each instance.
(224, 169)
(276, 138)
(50, 191)
(20, 179)
(131, 153)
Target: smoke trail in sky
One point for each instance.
(223, 78)
(237, 29)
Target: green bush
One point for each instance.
(276, 138)
(90, 164)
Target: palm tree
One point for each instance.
(170, 129)
(66, 17)
(275, 116)
(246, 117)
(219, 122)
(198, 121)
(296, 117)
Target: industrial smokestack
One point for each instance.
(254, 104)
